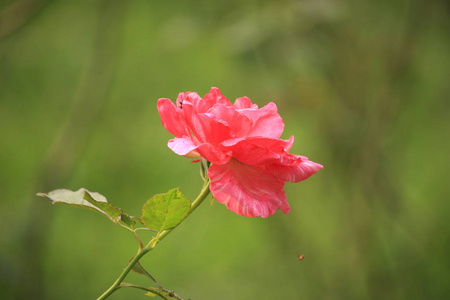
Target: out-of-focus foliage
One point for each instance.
(363, 86)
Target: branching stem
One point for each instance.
(152, 244)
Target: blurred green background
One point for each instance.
(363, 86)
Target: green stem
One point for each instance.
(116, 285)
(202, 196)
(152, 244)
(144, 289)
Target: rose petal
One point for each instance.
(260, 151)
(172, 118)
(250, 154)
(183, 146)
(295, 173)
(244, 102)
(204, 127)
(247, 190)
(238, 124)
(186, 147)
(215, 97)
(266, 121)
(213, 154)
(277, 145)
(194, 98)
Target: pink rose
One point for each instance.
(249, 163)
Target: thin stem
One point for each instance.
(152, 244)
(116, 285)
(138, 238)
(202, 196)
(143, 288)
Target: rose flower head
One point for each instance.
(249, 161)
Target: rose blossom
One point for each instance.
(249, 163)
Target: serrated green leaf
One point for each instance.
(89, 200)
(165, 211)
(74, 198)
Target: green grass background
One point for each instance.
(362, 85)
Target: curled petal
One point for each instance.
(172, 118)
(183, 146)
(188, 96)
(215, 97)
(244, 102)
(260, 151)
(295, 172)
(205, 128)
(186, 147)
(266, 121)
(277, 145)
(248, 153)
(213, 154)
(247, 190)
(238, 124)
